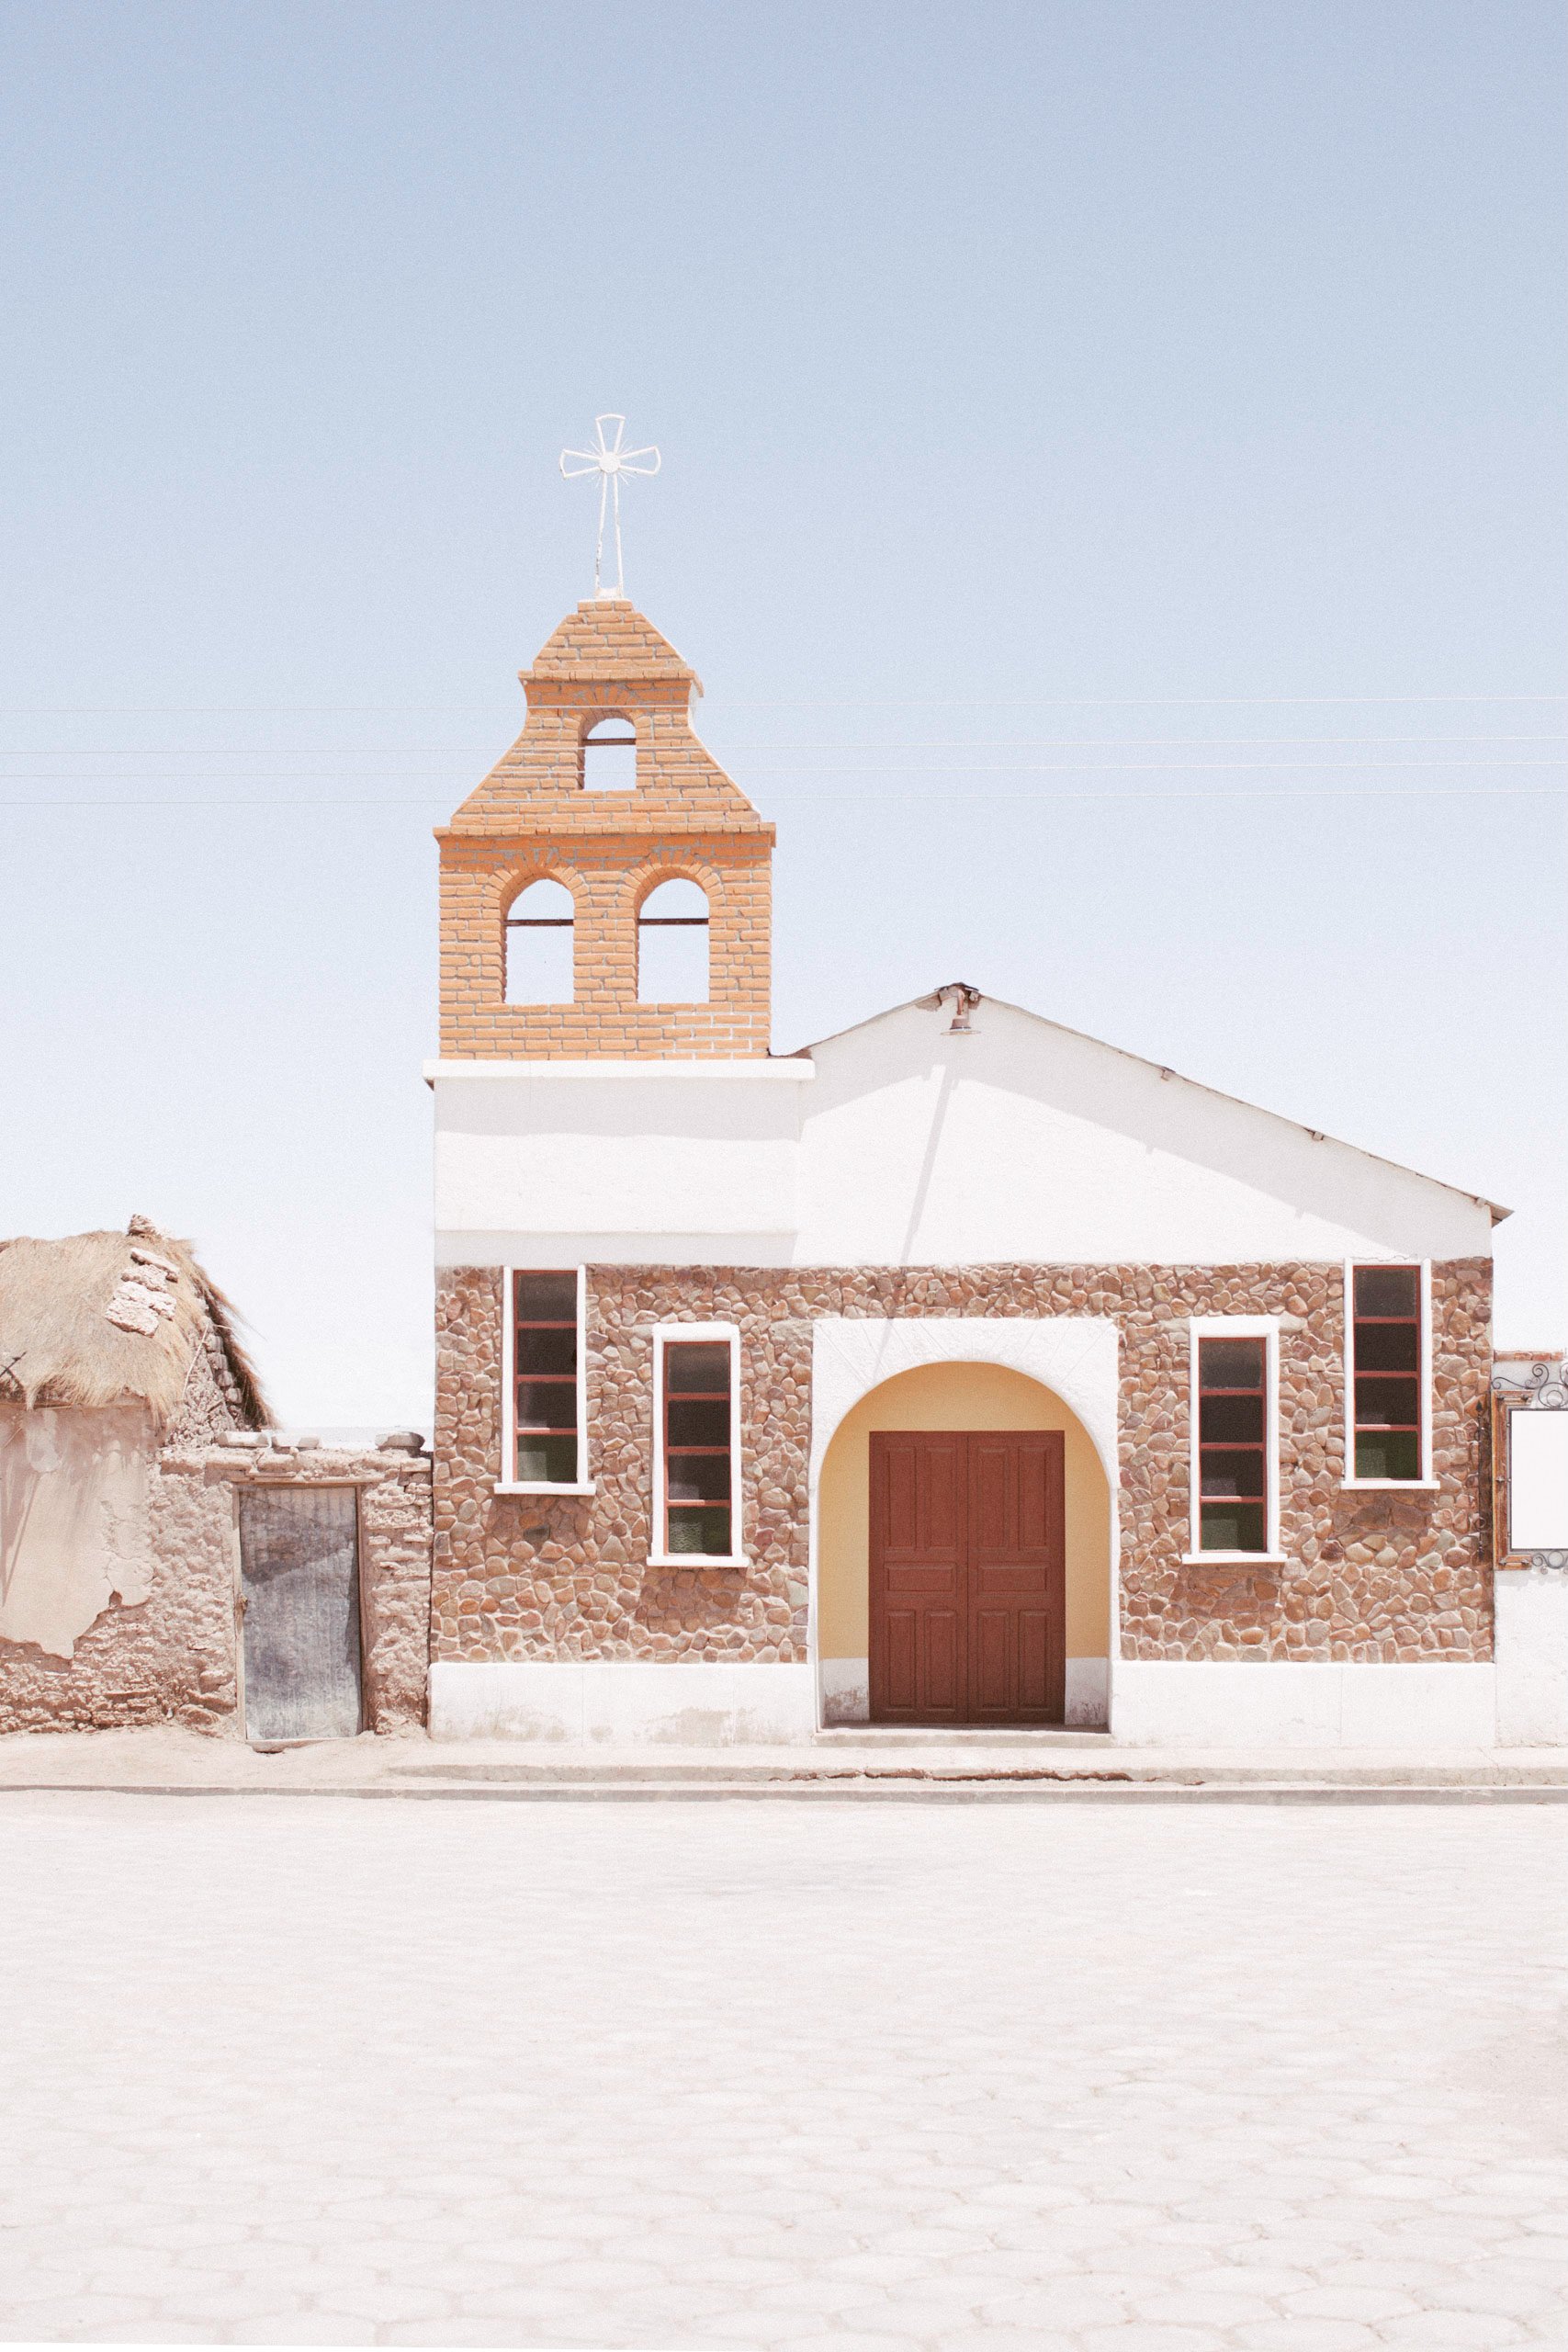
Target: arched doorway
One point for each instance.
(953, 1471)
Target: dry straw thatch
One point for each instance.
(99, 1317)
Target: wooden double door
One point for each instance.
(968, 1576)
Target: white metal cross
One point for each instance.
(609, 461)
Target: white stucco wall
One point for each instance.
(1531, 1639)
(899, 1144)
(617, 1164)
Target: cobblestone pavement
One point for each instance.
(1111, 2076)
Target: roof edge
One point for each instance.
(1162, 1070)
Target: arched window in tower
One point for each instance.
(609, 754)
(538, 945)
(672, 946)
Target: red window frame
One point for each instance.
(1379, 1412)
(683, 1513)
(1223, 1455)
(539, 1376)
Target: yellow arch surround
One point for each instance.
(955, 1396)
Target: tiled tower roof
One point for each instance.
(606, 638)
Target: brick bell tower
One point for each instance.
(537, 817)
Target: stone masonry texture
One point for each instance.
(1366, 1576)
(173, 1658)
(531, 819)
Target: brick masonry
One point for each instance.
(1367, 1577)
(531, 821)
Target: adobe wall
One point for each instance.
(1368, 1577)
(172, 1658)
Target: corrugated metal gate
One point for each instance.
(299, 1587)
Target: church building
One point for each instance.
(957, 1371)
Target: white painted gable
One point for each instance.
(1024, 1140)
(900, 1144)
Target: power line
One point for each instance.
(960, 743)
(794, 702)
(1253, 792)
(947, 771)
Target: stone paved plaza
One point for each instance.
(1118, 2075)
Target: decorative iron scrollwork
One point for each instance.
(1545, 1390)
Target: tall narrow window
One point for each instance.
(697, 1405)
(539, 926)
(609, 755)
(1233, 1445)
(672, 946)
(546, 1379)
(1387, 1431)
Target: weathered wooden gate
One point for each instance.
(300, 1592)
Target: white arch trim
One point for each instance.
(1074, 1356)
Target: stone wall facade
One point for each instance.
(1366, 1576)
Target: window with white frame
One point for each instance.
(696, 1442)
(545, 1432)
(1235, 1437)
(1387, 1359)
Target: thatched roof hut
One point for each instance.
(103, 1319)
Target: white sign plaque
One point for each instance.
(1538, 1482)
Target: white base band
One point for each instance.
(694, 1706)
(1532, 1658)
(1198, 1703)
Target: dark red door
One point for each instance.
(968, 1584)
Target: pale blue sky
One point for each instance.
(1113, 492)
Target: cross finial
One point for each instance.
(609, 461)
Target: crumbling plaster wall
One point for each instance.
(165, 1651)
(172, 1656)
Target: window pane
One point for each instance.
(1387, 1290)
(699, 1366)
(547, 1298)
(1232, 1473)
(700, 1531)
(1383, 1401)
(1230, 1363)
(704, 1423)
(540, 1349)
(1388, 1347)
(549, 1461)
(1231, 1417)
(1395, 1453)
(697, 1477)
(547, 1403)
(1233, 1527)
